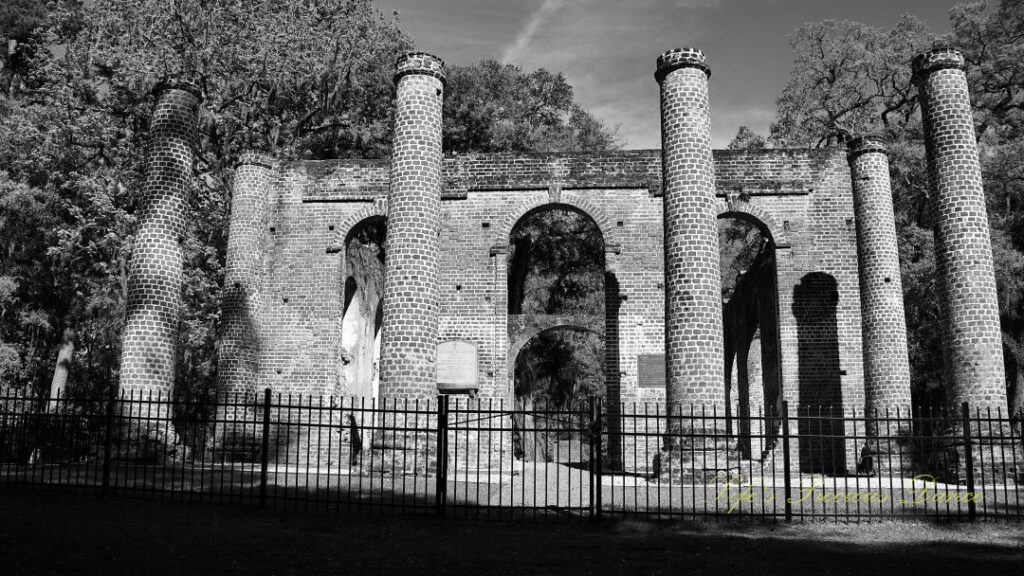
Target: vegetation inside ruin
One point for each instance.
(363, 310)
(739, 244)
(556, 267)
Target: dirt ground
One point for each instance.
(63, 532)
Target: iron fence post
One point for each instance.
(972, 510)
(265, 448)
(785, 461)
(596, 459)
(108, 440)
(441, 477)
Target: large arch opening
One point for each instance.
(556, 319)
(750, 319)
(556, 369)
(363, 306)
(556, 263)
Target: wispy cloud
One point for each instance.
(607, 49)
(529, 30)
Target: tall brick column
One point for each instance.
(155, 273)
(693, 298)
(412, 267)
(886, 361)
(883, 320)
(237, 366)
(963, 250)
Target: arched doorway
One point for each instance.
(363, 306)
(750, 310)
(555, 372)
(556, 312)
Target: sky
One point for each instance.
(607, 48)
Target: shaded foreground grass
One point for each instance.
(64, 532)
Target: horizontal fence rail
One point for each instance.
(486, 458)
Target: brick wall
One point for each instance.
(801, 198)
(300, 314)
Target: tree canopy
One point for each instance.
(493, 107)
(301, 80)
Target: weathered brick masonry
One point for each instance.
(693, 293)
(155, 273)
(449, 222)
(409, 333)
(801, 197)
(886, 365)
(240, 342)
(963, 249)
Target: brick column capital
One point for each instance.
(251, 158)
(186, 82)
(865, 145)
(672, 60)
(419, 63)
(934, 60)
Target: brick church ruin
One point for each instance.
(818, 321)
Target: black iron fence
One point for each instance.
(484, 458)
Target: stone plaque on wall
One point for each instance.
(456, 366)
(651, 370)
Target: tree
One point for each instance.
(494, 107)
(364, 294)
(848, 78)
(75, 126)
(747, 139)
(19, 20)
(310, 79)
(852, 79)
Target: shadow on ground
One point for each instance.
(62, 532)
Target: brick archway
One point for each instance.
(754, 307)
(356, 382)
(568, 200)
(525, 327)
(756, 215)
(378, 208)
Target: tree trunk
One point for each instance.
(58, 385)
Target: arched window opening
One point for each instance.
(753, 377)
(363, 298)
(556, 307)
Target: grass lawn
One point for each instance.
(65, 532)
